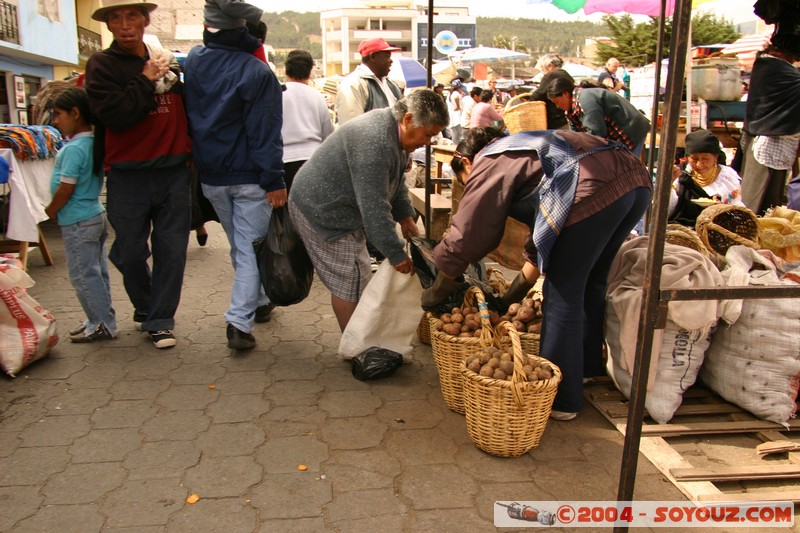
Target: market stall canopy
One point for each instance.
(408, 72)
(487, 54)
(578, 72)
(746, 47)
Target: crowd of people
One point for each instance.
(255, 145)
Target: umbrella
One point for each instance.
(576, 70)
(634, 7)
(409, 71)
(746, 48)
(487, 54)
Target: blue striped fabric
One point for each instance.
(556, 191)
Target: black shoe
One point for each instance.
(100, 334)
(138, 319)
(263, 313)
(162, 338)
(238, 339)
(202, 238)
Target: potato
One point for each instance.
(512, 309)
(534, 327)
(531, 376)
(475, 366)
(499, 374)
(527, 302)
(494, 318)
(457, 318)
(465, 329)
(505, 356)
(476, 333)
(455, 311)
(471, 325)
(485, 358)
(546, 374)
(525, 314)
(486, 371)
(527, 369)
(471, 358)
(519, 326)
(465, 334)
(452, 329)
(438, 325)
(494, 362)
(507, 367)
(446, 318)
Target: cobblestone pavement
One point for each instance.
(114, 436)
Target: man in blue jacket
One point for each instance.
(234, 105)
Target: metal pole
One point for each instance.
(429, 66)
(513, 63)
(652, 283)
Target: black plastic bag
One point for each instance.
(283, 263)
(374, 363)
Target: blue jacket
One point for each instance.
(235, 109)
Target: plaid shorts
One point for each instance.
(343, 265)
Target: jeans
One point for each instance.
(151, 205)
(85, 247)
(574, 293)
(244, 214)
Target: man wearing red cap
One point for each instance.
(367, 87)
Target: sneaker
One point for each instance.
(138, 319)
(562, 415)
(100, 334)
(162, 338)
(263, 313)
(80, 328)
(238, 339)
(374, 264)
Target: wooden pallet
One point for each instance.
(692, 418)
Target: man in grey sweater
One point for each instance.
(352, 189)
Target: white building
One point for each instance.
(403, 23)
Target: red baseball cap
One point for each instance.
(378, 44)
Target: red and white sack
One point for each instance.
(27, 330)
(755, 361)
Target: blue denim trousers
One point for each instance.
(575, 290)
(85, 248)
(244, 213)
(151, 207)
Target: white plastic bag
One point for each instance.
(387, 315)
(27, 330)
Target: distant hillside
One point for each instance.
(289, 29)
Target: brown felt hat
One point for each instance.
(102, 12)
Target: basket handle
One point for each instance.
(518, 379)
(475, 295)
(497, 280)
(515, 101)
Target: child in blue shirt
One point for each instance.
(76, 206)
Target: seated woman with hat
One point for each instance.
(703, 178)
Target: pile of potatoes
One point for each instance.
(525, 316)
(492, 362)
(461, 322)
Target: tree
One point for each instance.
(635, 44)
(501, 41)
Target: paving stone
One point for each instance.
(50, 368)
(358, 504)
(421, 446)
(290, 421)
(228, 440)
(196, 374)
(557, 444)
(78, 402)
(300, 333)
(204, 354)
(590, 481)
(403, 386)
(229, 515)
(373, 523)
(175, 425)
(361, 470)
(519, 492)
(353, 433)
(295, 350)
(55, 431)
(141, 389)
(83, 483)
(103, 445)
(151, 366)
(294, 369)
(9, 441)
(409, 414)
(144, 502)
(17, 503)
(340, 378)
(293, 393)
(161, 459)
(349, 403)
(223, 477)
(436, 486)
(484, 467)
(246, 361)
(123, 414)
(235, 383)
(294, 495)
(452, 521)
(238, 408)
(294, 525)
(96, 376)
(187, 397)
(64, 519)
(32, 466)
(284, 454)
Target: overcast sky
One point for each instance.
(735, 10)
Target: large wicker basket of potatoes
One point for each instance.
(525, 315)
(507, 411)
(424, 329)
(455, 336)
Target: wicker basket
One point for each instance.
(530, 341)
(683, 236)
(721, 226)
(424, 329)
(524, 116)
(507, 417)
(449, 352)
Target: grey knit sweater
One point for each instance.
(355, 180)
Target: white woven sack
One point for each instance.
(27, 330)
(680, 354)
(755, 362)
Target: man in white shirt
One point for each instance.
(454, 104)
(367, 87)
(467, 104)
